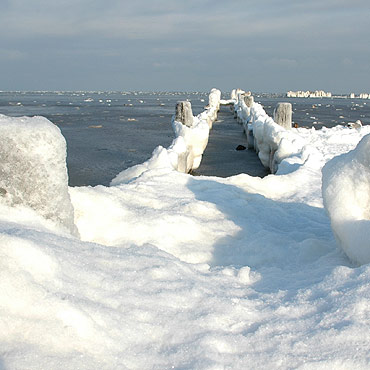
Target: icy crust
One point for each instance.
(185, 152)
(33, 168)
(346, 194)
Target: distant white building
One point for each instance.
(309, 94)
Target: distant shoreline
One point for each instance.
(323, 94)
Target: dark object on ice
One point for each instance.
(241, 147)
(357, 124)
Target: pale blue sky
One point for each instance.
(266, 45)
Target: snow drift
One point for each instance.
(346, 193)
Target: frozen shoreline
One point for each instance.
(188, 272)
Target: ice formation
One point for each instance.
(279, 149)
(175, 271)
(33, 168)
(191, 138)
(346, 194)
(283, 115)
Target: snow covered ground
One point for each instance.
(175, 271)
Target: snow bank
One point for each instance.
(185, 152)
(194, 273)
(346, 193)
(33, 168)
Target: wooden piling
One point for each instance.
(249, 100)
(184, 113)
(283, 115)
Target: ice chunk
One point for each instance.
(346, 194)
(33, 168)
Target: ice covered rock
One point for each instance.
(33, 168)
(346, 194)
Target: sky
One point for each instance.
(192, 45)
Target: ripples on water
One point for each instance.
(107, 132)
(319, 112)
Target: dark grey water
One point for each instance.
(319, 112)
(107, 132)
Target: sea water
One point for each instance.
(319, 112)
(107, 132)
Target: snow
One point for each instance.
(33, 168)
(175, 271)
(346, 193)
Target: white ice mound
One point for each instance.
(346, 194)
(33, 168)
(160, 159)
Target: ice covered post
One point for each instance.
(33, 168)
(283, 115)
(248, 128)
(184, 113)
(214, 99)
(249, 100)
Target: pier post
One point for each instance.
(283, 115)
(184, 113)
(250, 137)
(249, 100)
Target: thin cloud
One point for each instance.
(142, 36)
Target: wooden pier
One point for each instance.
(221, 157)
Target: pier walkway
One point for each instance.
(221, 157)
